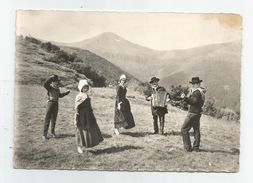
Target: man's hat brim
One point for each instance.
(194, 82)
(154, 80)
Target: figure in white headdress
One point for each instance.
(123, 116)
(88, 133)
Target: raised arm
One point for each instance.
(64, 94)
(47, 83)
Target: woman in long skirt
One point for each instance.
(87, 133)
(123, 116)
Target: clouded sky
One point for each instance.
(161, 31)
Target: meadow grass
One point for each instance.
(136, 149)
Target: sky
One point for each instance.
(160, 31)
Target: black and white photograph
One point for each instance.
(127, 91)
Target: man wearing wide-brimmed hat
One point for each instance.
(158, 111)
(195, 99)
(52, 86)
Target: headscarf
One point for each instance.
(123, 76)
(81, 96)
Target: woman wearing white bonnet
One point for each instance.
(122, 77)
(88, 133)
(123, 116)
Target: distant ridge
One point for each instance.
(218, 64)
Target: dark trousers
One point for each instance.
(51, 116)
(161, 120)
(191, 121)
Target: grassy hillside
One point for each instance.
(218, 65)
(37, 60)
(102, 66)
(136, 149)
(32, 68)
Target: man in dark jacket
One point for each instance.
(195, 99)
(158, 112)
(53, 92)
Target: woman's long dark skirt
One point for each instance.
(88, 133)
(124, 117)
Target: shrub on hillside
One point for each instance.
(89, 72)
(78, 60)
(220, 113)
(175, 94)
(20, 38)
(145, 88)
(72, 57)
(62, 56)
(53, 59)
(209, 107)
(227, 114)
(32, 40)
(48, 46)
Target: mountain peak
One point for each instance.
(111, 42)
(109, 36)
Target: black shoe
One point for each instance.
(155, 133)
(52, 134)
(196, 149)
